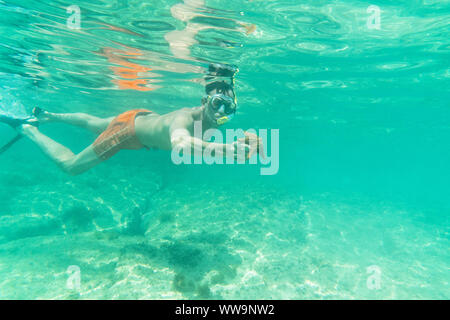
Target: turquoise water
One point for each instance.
(363, 115)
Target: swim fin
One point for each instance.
(14, 123)
(10, 143)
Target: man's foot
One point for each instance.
(41, 114)
(249, 28)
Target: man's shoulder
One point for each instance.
(182, 117)
(189, 111)
(184, 113)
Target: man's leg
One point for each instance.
(83, 120)
(62, 156)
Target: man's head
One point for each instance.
(220, 102)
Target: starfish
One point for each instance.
(255, 143)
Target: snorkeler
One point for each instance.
(140, 128)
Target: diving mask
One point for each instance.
(224, 105)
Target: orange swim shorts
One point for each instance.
(119, 135)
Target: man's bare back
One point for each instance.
(154, 130)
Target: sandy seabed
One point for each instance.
(151, 235)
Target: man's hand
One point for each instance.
(240, 150)
(254, 144)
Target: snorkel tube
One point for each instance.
(224, 119)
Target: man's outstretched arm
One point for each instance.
(181, 139)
